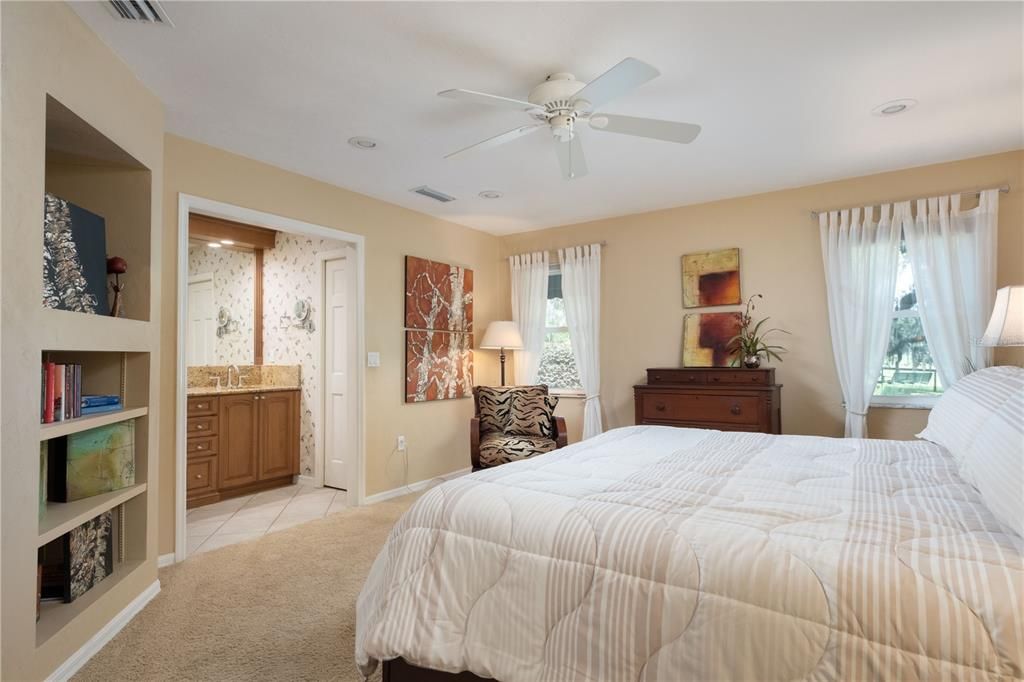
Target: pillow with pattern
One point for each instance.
(494, 403)
(531, 415)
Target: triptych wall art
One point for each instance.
(439, 331)
(710, 278)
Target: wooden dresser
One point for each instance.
(238, 443)
(728, 399)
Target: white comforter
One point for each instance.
(653, 553)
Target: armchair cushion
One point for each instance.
(493, 404)
(532, 416)
(498, 448)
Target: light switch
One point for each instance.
(373, 359)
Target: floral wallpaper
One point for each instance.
(233, 287)
(291, 272)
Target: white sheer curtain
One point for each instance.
(581, 290)
(953, 254)
(529, 308)
(860, 258)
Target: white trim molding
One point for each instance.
(415, 487)
(78, 659)
(192, 204)
(165, 560)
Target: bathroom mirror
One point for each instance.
(221, 304)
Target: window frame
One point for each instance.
(556, 269)
(913, 402)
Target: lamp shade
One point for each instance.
(502, 334)
(1006, 326)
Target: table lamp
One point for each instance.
(502, 335)
(1006, 326)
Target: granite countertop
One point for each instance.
(213, 390)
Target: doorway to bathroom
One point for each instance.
(270, 414)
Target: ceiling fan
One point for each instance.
(561, 102)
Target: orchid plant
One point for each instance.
(750, 345)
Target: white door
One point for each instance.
(202, 321)
(339, 371)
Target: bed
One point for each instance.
(659, 553)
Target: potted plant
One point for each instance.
(750, 345)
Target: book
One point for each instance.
(100, 409)
(50, 384)
(98, 400)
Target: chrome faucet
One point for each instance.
(238, 376)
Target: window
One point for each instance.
(908, 372)
(557, 364)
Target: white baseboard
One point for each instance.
(307, 480)
(413, 487)
(165, 560)
(106, 633)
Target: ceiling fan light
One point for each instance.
(599, 122)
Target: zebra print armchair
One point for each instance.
(513, 423)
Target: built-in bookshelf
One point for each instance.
(111, 356)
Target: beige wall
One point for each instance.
(46, 49)
(437, 432)
(780, 257)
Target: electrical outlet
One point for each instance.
(401, 443)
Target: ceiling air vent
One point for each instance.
(143, 11)
(433, 194)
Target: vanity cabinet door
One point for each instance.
(279, 434)
(238, 452)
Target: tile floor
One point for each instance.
(250, 516)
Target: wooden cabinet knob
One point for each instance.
(199, 447)
(199, 476)
(199, 427)
(660, 407)
(735, 409)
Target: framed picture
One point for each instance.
(438, 365)
(74, 258)
(92, 462)
(711, 278)
(77, 561)
(438, 296)
(706, 338)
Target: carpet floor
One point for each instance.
(282, 607)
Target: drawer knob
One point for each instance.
(200, 406)
(199, 476)
(660, 407)
(735, 409)
(199, 427)
(199, 447)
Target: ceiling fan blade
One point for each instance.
(508, 136)
(669, 131)
(628, 74)
(492, 100)
(571, 158)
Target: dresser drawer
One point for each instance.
(725, 409)
(657, 377)
(201, 476)
(738, 377)
(201, 426)
(202, 446)
(202, 405)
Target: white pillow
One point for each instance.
(995, 463)
(959, 414)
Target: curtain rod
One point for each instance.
(602, 244)
(1003, 189)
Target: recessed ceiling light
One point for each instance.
(214, 245)
(490, 194)
(896, 106)
(364, 143)
(227, 242)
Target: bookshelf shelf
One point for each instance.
(54, 616)
(69, 426)
(65, 330)
(62, 517)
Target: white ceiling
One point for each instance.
(783, 92)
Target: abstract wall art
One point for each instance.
(711, 278)
(74, 258)
(438, 296)
(92, 462)
(438, 365)
(439, 326)
(706, 338)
